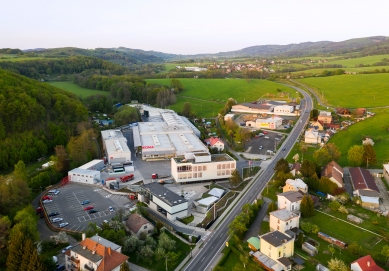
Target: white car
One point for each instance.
(63, 225)
(54, 192)
(260, 147)
(57, 219)
(47, 201)
(66, 248)
(266, 137)
(110, 209)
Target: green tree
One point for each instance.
(308, 168)
(15, 248)
(186, 109)
(337, 265)
(172, 258)
(281, 178)
(61, 159)
(333, 151)
(165, 242)
(124, 267)
(126, 115)
(354, 248)
(131, 243)
(28, 219)
(385, 252)
(306, 207)
(177, 85)
(334, 205)
(355, 155)
(322, 157)
(27, 253)
(20, 171)
(146, 254)
(314, 113)
(272, 207)
(331, 249)
(235, 178)
(35, 262)
(369, 155)
(282, 165)
(300, 240)
(5, 226)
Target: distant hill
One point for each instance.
(127, 56)
(34, 118)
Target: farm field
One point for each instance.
(210, 95)
(8, 57)
(352, 91)
(374, 127)
(357, 70)
(79, 91)
(367, 60)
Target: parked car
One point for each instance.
(283, 149)
(127, 178)
(88, 208)
(54, 192)
(47, 201)
(105, 221)
(63, 225)
(92, 211)
(53, 214)
(46, 197)
(85, 202)
(260, 147)
(266, 137)
(265, 132)
(66, 248)
(110, 209)
(60, 267)
(57, 219)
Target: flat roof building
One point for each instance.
(115, 147)
(85, 176)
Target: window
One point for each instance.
(204, 168)
(279, 253)
(200, 175)
(219, 173)
(224, 166)
(194, 175)
(228, 172)
(219, 166)
(232, 165)
(200, 168)
(287, 223)
(145, 227)
(278, 227)
(189, 175)
(278, 221)
(195, 168)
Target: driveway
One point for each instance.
(384, 206)
(256, 225)
(347, 181)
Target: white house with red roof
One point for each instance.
(215, 142)
(365, 263)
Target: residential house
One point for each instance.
(295, 169)
(312, 136)
(138, 224)
(253, 243)
(290, 200)
(360, 112)
(275, 249)
(386, 172)
(365, 263)
(93, 255)
(325, 117)
(343, 111)
(365, 187)
(284, 220)
(317, 125)
(334, 172)
(295, 185)
(215, 142)
(229, 117)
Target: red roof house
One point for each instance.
(215, 142)
(334, 172)
(365, 263)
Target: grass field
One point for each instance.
(367, 60)
(357, 70)
(352, 91)
(10, 57)
(79, 91)
(374, 127)
(208, 96)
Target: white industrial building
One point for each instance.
(199, 166)
(157, 196)
(85, 176)
(283, 109)
(269, 123)
(166, 135)
(115, 147)
(96, 164)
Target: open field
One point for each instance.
(351, 62)
(357, 70)
(374, 127)
(10, 57)
(208, 96)
(79, 91)
(352, 91)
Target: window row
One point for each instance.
(190, 175)
(223, 172)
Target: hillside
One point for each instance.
(34, 118)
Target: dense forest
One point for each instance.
(34, 118)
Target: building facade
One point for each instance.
(202, 166)
(290, 200)
(115, 147)
(283, 220)
(84, 176)
(269, 123)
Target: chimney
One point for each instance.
(83, 236)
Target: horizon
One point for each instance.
(174, 27)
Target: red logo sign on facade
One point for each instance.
(147, 147)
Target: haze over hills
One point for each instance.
(122, 55)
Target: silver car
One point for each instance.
(57, 219)
(63, 225)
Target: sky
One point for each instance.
(186, 27)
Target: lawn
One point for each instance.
(374, 127)
(352, 91)
(208, 96)
(307, 155)
(79, 91)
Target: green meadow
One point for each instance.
(79, 91)
(208, 96)
(11, 57)
(375, 127)
(351, 62)
(357, 70)
(352, 91)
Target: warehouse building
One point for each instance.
(96, 164)
(85, 176)
(269, 123)
(115, 147)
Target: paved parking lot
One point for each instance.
(253, 146)
(68, 204)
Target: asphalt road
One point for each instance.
(205, 259)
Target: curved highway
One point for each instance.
(205, 258)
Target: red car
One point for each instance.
(127, 178)
(47, 197)
(88, 208)
(265, 132)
